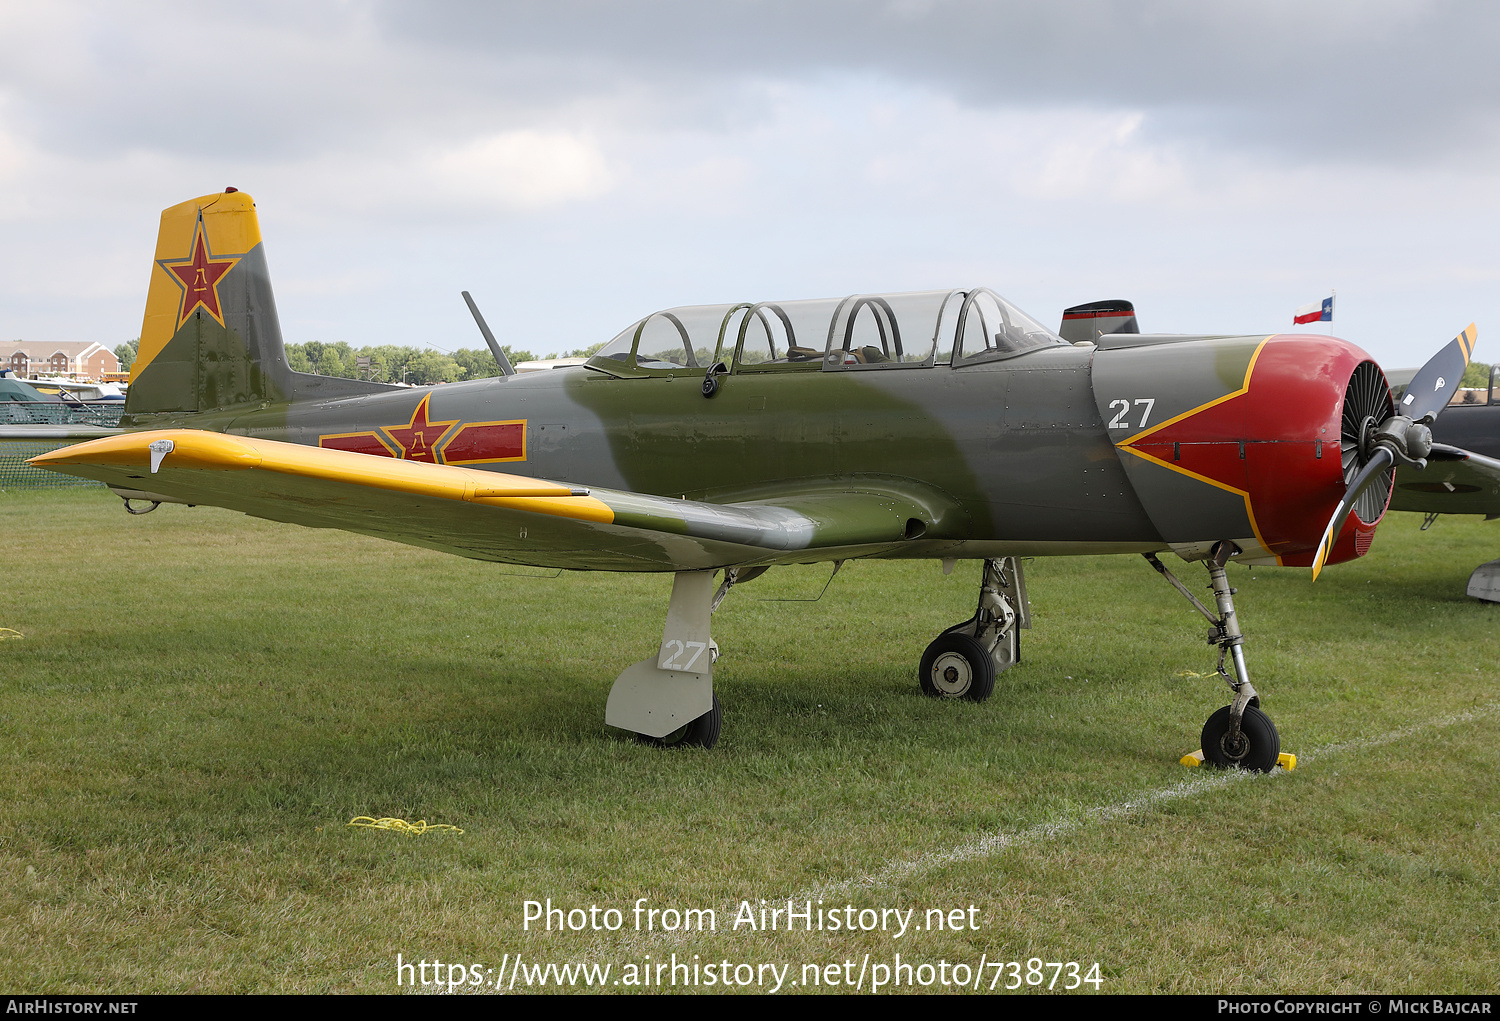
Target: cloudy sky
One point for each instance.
(579, 163)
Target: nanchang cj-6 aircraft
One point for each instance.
(732, 438)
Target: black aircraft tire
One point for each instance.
(701, 733)
(1259, 745)
(957, 666)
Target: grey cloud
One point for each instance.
(1385, 82)
(1395, 81)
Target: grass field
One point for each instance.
(200, 702)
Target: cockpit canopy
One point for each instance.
(862, 331)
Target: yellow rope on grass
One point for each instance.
(411, 829)
(6, 632)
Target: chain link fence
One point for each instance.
(105, 413)
(15, 473)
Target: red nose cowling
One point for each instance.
(1291, 442)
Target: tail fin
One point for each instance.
(211, 338)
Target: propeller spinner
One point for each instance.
(1403, 438)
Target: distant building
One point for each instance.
(79, 359)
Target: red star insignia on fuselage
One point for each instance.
(419, 439)
(198, 275)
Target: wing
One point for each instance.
(509, 518)
(1455, 481)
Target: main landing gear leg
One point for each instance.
(1238, 734)
(669, 698)
(962, 661)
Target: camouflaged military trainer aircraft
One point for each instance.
(732, 438)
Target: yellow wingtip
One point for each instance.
(194, 448)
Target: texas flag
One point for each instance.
(1317, 312)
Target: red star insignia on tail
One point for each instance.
(198, 275)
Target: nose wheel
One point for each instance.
(1254, 747)
(1238, 736)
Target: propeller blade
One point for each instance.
(1379, 462)
(1435, 383)
(1427, 395)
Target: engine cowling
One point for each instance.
(1250, 439)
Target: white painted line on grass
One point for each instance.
(990, 844)
(1212, 780)
(1402, 733)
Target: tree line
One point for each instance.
(394, 363)
(389, 363)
